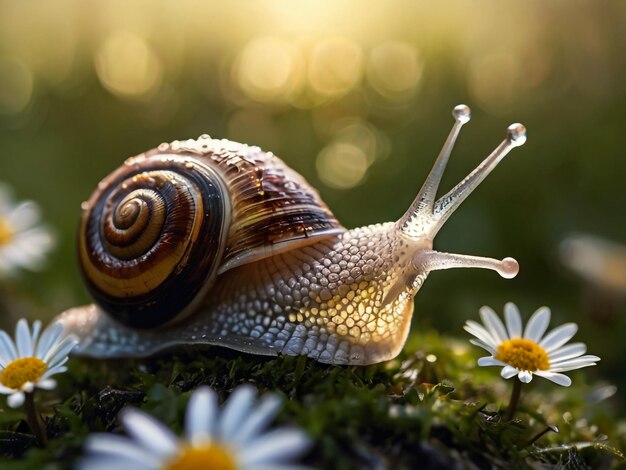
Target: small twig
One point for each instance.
(537, 436)
(34, 420)
(478, 410)
(515, 394)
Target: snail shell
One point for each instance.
(214, 242)
(140, 231)
(167, 221)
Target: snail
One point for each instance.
(215, 242)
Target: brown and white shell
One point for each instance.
(159, 229)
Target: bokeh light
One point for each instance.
(269, 69)
(394, 69)
(127, 66)
(335, 66)
(16, 85)
(364, 135)
(494, 81)
(354, 148)
(341, 165)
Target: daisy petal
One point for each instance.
(493, 323)
(149, 433)
(54, 370)
(49, 336)
(25, 215)
(35, 334)
(122, 448)
(558, 379)
(480, 344)
(490, 361)
(62, 349)
(23, 339)
(260, 418)
(558, 337)
(575, 363)
(107, 462)
(525, 376)
(569, 368)
(8, 352)
(513, 320)
(276, 446)
(537, 325)
(16, 400)
(201, 415)
(235, 411)
(508, 371)
(47, 384)
(60, 355)
(481, 333)
(568, 352)
(6, 390)
(57, 361)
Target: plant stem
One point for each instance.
(515, 394)
(34, 420)
(539, 435)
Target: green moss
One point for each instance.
(430, 407)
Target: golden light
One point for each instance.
(493, 82)
(394, 69)
(335, 66)
(269, 69)
(128, 67)
(362, 134)
(341, 165)
(16, 85)
(304, 17)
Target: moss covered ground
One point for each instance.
(429, 408)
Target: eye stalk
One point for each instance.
(423, 220)
(430, 260)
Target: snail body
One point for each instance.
(214, 242)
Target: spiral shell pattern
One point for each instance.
(151, 238)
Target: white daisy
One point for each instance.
(23, 243)
(226, 439)
(31, 360)
(528, 352)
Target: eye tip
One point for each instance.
(509, 268)
(462, 113)
(516, 134)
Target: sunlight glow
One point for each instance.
(269, 69)
(127, 66)
(335, 66)
(394, 69)
(341, 165)
(16, 85)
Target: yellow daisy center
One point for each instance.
(210, 456)
(6, 232)
(22, 370)
(523, 354)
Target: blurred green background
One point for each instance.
(356, 95)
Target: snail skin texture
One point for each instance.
(214, 242)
